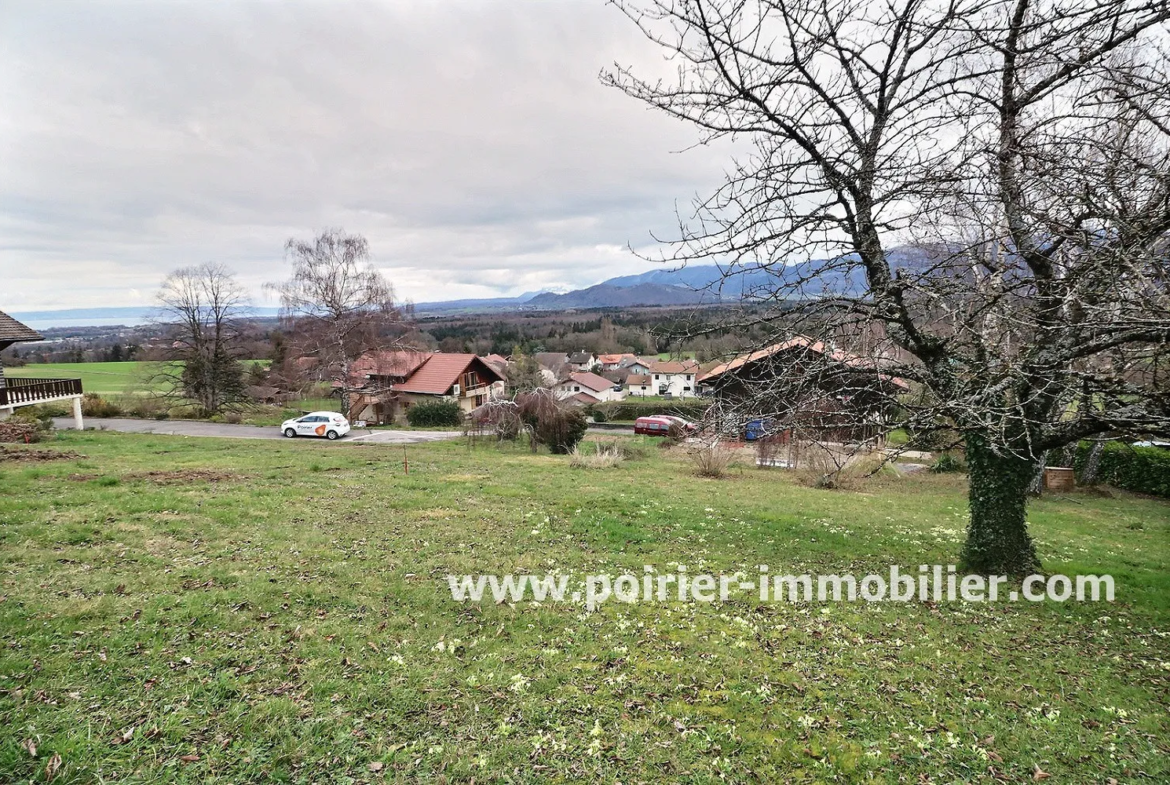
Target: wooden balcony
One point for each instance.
(25, 392)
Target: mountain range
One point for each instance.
(691, 285)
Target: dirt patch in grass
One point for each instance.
(37, 456)
(177, 477)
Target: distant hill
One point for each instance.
(474, 305)
(691, 285)
(606, 295)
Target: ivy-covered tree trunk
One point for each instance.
(997, 537)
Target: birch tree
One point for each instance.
(336, 306)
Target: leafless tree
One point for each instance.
(986, 182)
(201, 309)
(336, 307)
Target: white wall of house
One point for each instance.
(678, 385)
(640, 389)
(569, 388)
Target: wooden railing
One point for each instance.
(20, 391)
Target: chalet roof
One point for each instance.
(498, 362)
(441, 371)
(12, 331)
(401, 363)
(799, 343)
(590, 381)
(551, 360)
(637, 379)
(577, 358)
(674, 366)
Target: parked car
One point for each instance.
(759, 429)
(330, 425)
(659, 425)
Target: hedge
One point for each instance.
(437, 413)
(1139, 469)
(632, 410)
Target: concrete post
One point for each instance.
(77, 421)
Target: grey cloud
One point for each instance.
(471, 142)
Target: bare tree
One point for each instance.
(985, 181)
(336, 306)
(201, 309)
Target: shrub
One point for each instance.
(768, 450)
(551, 422)
(933, 439)
(1139, 469)
(598, 414)
(20, 430)
(145, 406)
(712, 459)
(50, 410)
(948, 463)
(821, 465)
(435, 414)
(562, 430)
(603, 457)
(500, 417)
(93, 405)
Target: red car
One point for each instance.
(659, 425)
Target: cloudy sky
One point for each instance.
(470, 141)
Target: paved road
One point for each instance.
(224, 430)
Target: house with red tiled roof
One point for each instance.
(389, 383)
(611, 362)
(674, 378)
(590, 384)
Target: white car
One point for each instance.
(331, 425)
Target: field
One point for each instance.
(213, 611)
(105, 379)
(113, 380)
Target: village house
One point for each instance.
(637, 365)
(500, 365)
(674, 378)
(807, 383)
(612, 362)
(582, 361)
(554, 365)
(638, 384)
(16, 392)
(389, 383)
(597, 387)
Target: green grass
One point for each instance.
(106, 379)
(116, 380)
(274, 611)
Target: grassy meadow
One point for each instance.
(105, 379)
(215, 611)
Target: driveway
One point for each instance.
(226, 431)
